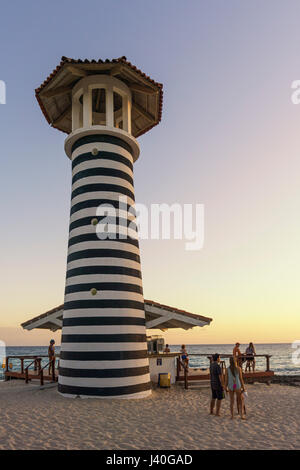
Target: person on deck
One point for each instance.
(51, 356)
(250, 353)
(184, 355)
(167, 349)
(238, 355)
(234, 383)
(217, 384)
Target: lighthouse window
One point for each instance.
(98, 107)
(118, 118)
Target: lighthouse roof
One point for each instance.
(55, 93)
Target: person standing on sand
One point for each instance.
(51, 356)
(234, 383)
(217, 384)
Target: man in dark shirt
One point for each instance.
(217, 384)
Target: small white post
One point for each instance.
(75, 112)
(126, 114)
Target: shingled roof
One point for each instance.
(54, 94)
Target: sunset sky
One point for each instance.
(229, 139)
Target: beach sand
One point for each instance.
(169, 419)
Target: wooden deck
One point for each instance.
(32, 375)
(249, 377)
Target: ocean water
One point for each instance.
(281, 361)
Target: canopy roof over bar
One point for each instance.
(55, 94)
(158, 316)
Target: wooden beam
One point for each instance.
(142, 89)
(142, 112)
(158, 321)
(56, 91)
(180, 324)
(62, 116)
(57, 322)
(133, 75)
(183, 319)
(116, 70)
(77, 71)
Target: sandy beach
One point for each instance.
(169, 419)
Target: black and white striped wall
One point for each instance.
(104, 347)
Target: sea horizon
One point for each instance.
(171, 344)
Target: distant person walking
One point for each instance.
(250, 353)
(217, 384)
(51, 356)
(234, 383)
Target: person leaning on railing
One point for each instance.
(238, 356)
(184, 355)
(250, 353)
(51, 356)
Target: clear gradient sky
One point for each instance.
(229, 138)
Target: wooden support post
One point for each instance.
(178, 367)
(53, 370)
(42, 377)
(186, 383)
(141, 111)
(6, 368)
(22, 365)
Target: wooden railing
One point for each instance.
(181, 365)
(242, 357)
(36, 360)
(51, 364)
(24, 370)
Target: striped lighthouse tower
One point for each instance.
(107, 104)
